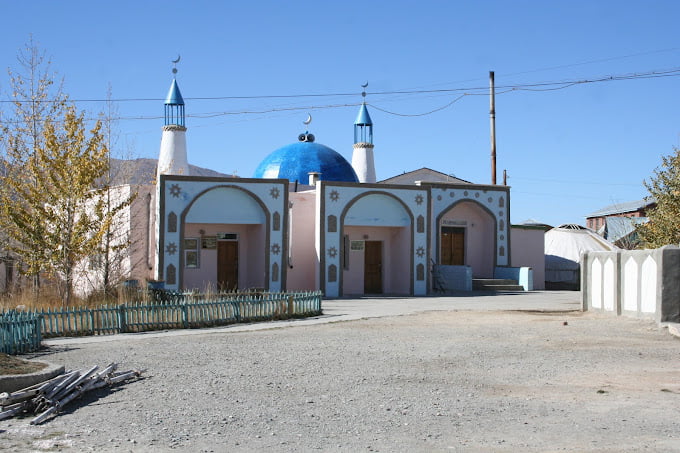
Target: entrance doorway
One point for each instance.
(373, 267)
(452, 246)
(227, 265)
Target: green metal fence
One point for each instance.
(187, 311)
(19, 332)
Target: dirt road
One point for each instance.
(439, 381)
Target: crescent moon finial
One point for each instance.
(363, 93)
(174, 64)
(308, 120)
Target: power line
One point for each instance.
(673, 72)
(469, 91)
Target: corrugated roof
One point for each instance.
(616, 228)
(423, 174)
(620, 208)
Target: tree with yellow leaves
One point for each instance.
(55, 209)
(36, 97)
(663, 227)
(60, 214)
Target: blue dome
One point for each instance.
(295, 161)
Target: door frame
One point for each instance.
(382, 275)
(238, 261)
(441, 242)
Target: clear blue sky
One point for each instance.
(567, 151)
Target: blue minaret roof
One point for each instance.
(174, 96)
(363, 126)
(363, 118)
(174, 106)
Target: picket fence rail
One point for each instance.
(179, 312)
(19, 332)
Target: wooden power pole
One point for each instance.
(492, 114)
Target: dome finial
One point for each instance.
(363, 92)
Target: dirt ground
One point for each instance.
(475, 381)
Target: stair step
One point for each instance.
(496, 284)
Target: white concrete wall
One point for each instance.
(638, 283)
(135, 226)
(527, 249)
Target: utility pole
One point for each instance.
(492, 114)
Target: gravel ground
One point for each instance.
(440, 381)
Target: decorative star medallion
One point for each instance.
(171, 248)
(419, 199)
(420, 252)
(332, 252)
(276, 249)
(335, 196)
(175, 190)
(274, 192)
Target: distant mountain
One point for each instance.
(143, 171)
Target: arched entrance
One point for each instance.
(224, 241)
(466, 235)
(377, 230)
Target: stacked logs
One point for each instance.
(47, 398)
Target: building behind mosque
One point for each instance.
(309, 219)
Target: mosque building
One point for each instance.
(308, 219)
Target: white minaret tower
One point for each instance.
(172, 159)
(362, 156)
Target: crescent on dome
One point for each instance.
(179, 57)
(308, 120)
(364, 85)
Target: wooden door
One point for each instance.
(227, 265)
(373, 267)
(453, 246)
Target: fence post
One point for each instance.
(122, 319)
(237, 310)
(185, 315)
(291, 306)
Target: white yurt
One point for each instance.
(563, 248)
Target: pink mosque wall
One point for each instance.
(527, 246)
(302, 276)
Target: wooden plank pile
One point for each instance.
(46, 399)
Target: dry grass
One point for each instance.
(49, 298)
(13, 365)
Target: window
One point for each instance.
(191, 253)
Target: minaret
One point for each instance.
(172, 159)
(362, 156)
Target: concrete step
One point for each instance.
(495, 284)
